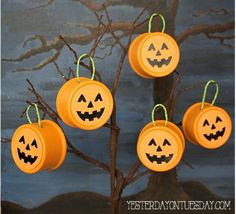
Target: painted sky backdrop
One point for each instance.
(203, 59)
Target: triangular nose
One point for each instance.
(159, 149)
(158, 53)
(27, 147)
(90, 105)
(213, 126)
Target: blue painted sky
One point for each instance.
(203, 59)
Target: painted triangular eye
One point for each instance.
(164, 46)
(34, 143)
(98, 97)
(152, 142)
(166, 142)
(218, 119)
(206, 123)
(22, 139)
(81, 98)
(151, 47)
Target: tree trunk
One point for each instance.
(116, 204)
(164, 186)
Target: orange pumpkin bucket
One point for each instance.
(154, 54)
(205, 124)
(84, 103)
(38, 146)
(160, 144)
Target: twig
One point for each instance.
(71, 73)
(59, 71)
(123, 55)
(42, 64)
(133, 170)
(70, 48)
(99, 36)
(89, 159)
(5, 140)
(97, 73)
(41, 100)
(187, 163)
(111, 31)
(136, 177)
(179, 123)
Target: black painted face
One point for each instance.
(213, 127)
(159, 157)
(158, 58)
(90, 105)
(25, 156)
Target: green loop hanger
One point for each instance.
(92, 63)
(37, 112)
(205, 91)
(165, 113)
(150, 22)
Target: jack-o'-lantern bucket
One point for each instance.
(205, 124)
(38, 146)
(154, 54)
(84, 103)
(160, 144)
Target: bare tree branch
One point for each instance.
(71, 73)
(115, 26)
(5, 140)
(95, 35)
(49, 2)
(55, 44)
(187, 163)
(136, 177)
(43, 105)
(69, 46)
(91, 5)
(211, 11)
(99, 36)
(173, 8)
(132, 172)
(111, 30)
(107, 53)
(97, 73)
(89, 159)
(221, 39)
(204, 28)
(59, 71)
(49, 110)
(41, 38)
(45, 62)
(124, 53)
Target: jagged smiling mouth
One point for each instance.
(215, 136)
(90, 116)
(26, 158)
(159, 160)
(159, 63)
